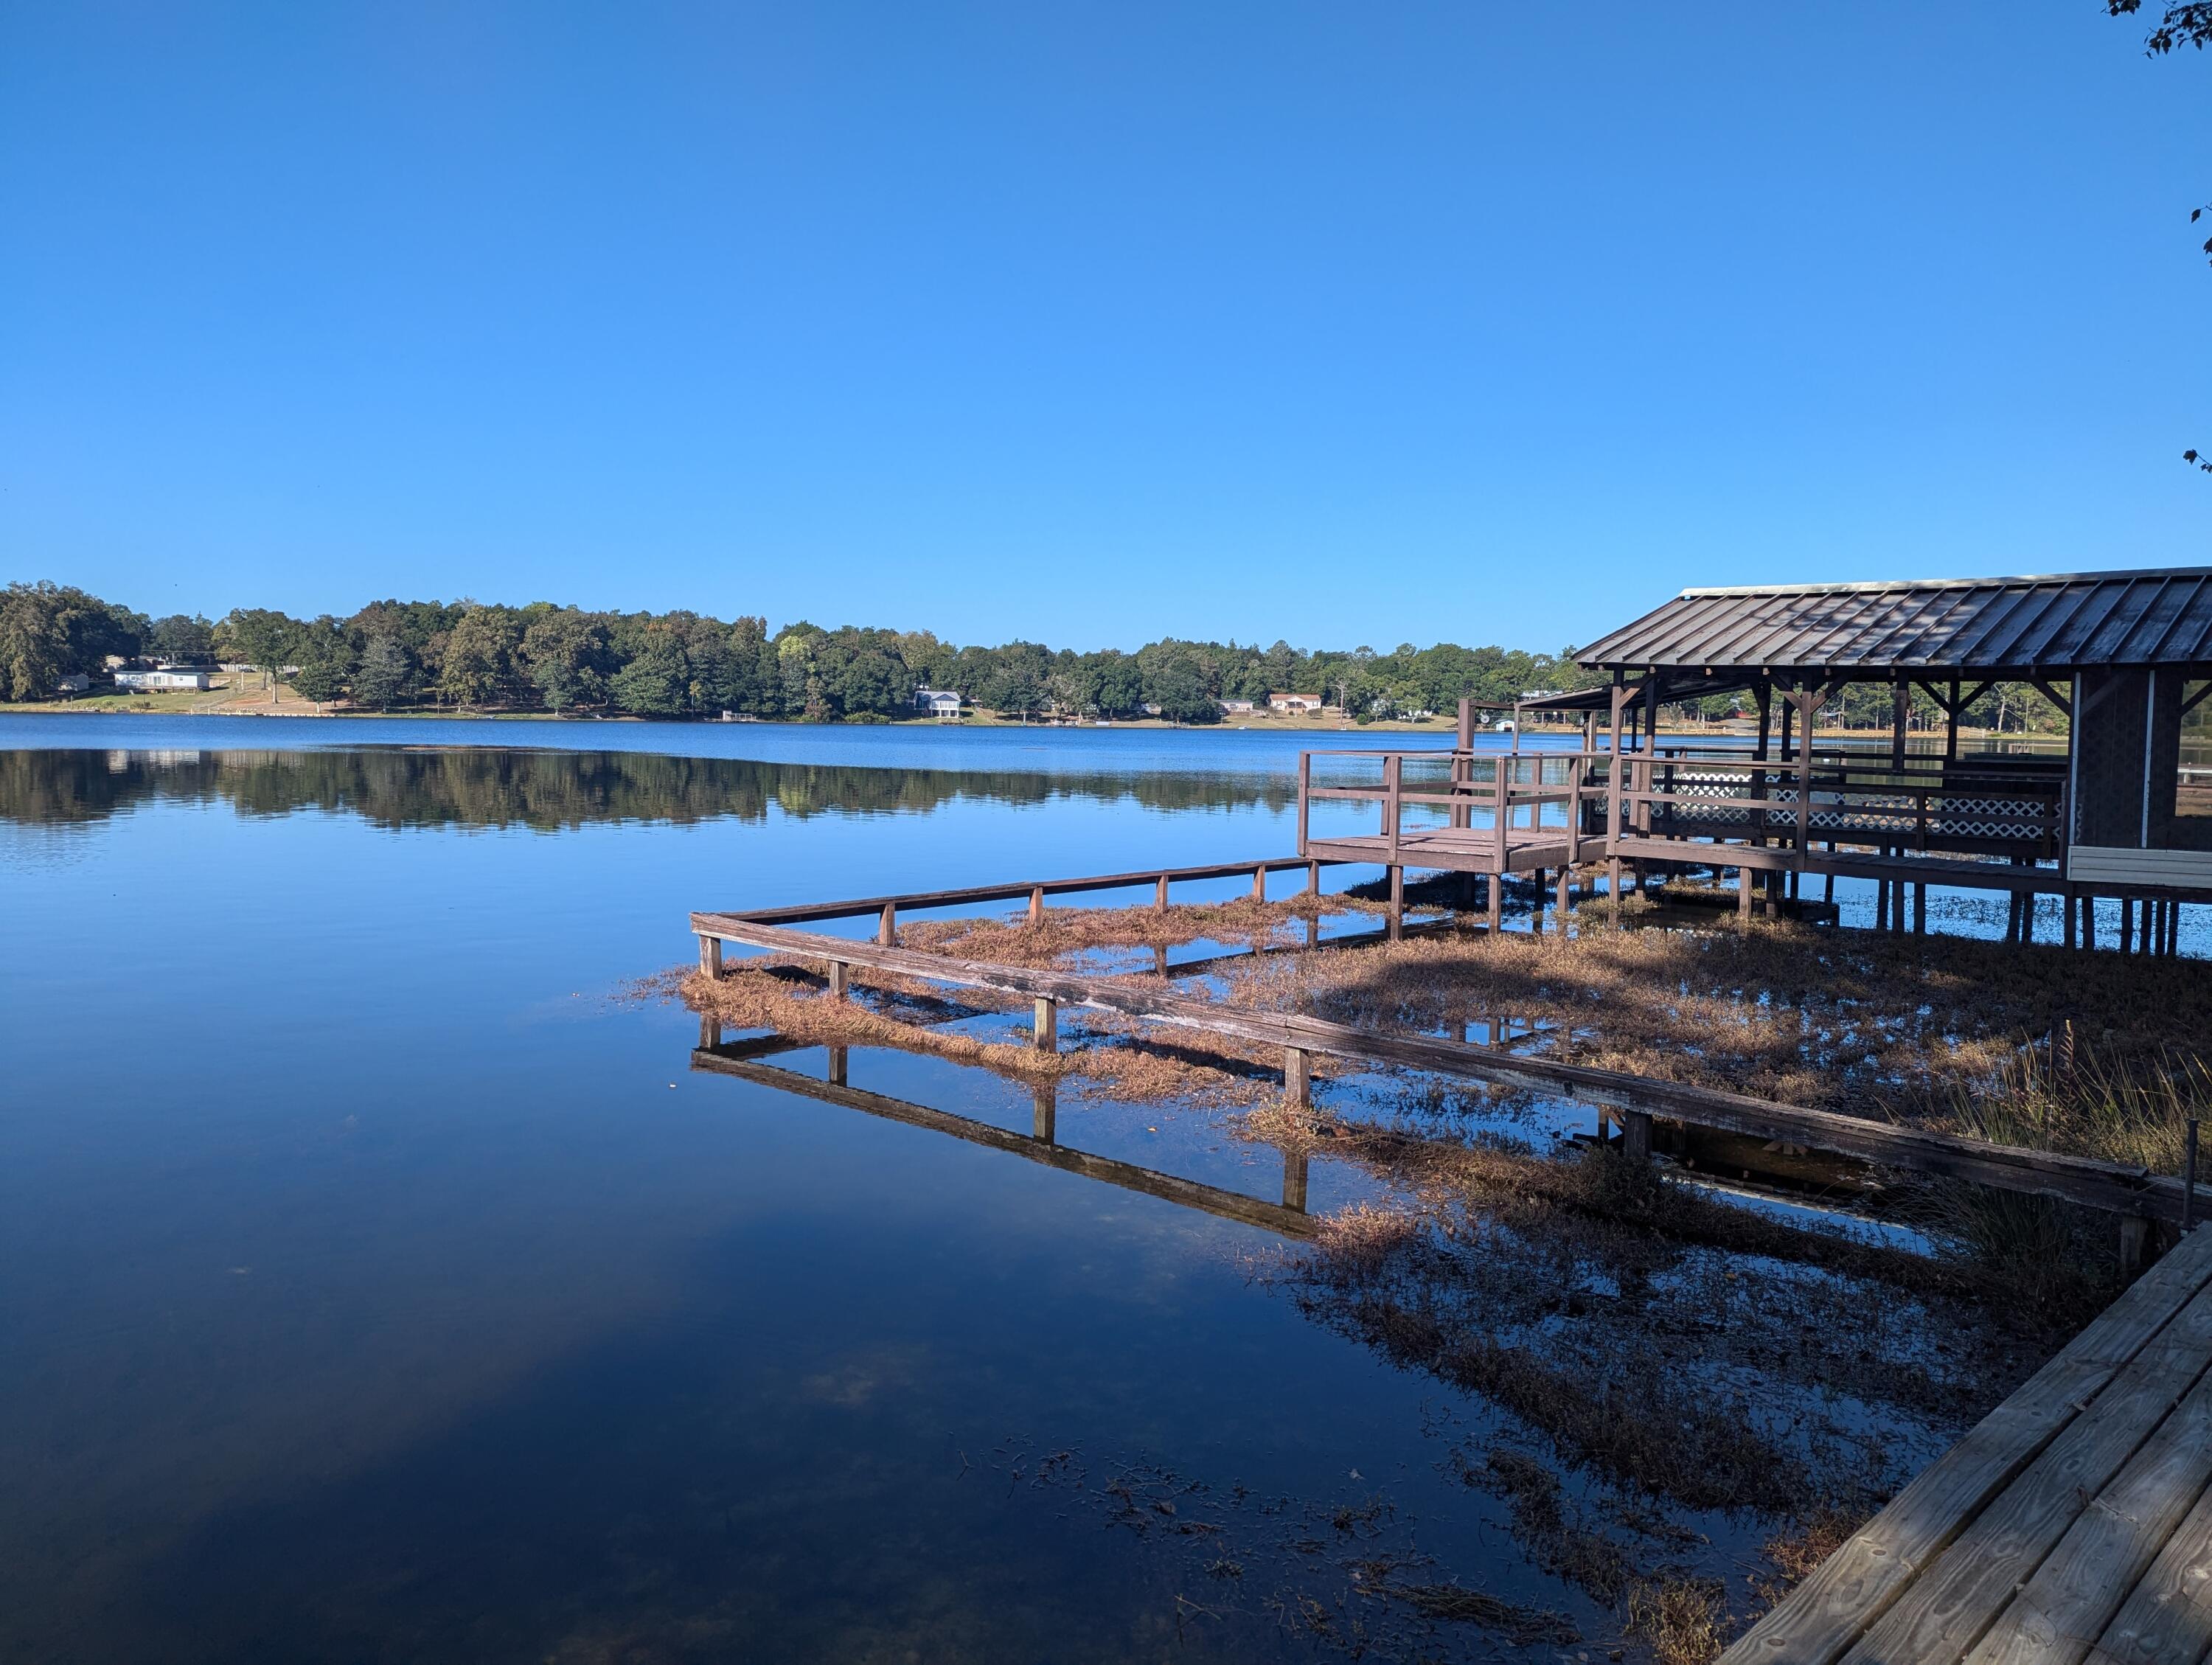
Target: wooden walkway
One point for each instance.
(2074, 1523)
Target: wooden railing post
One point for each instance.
(1503, 788)
(1160, 896)
(1393, 774)
(887, 926)
(1259, 884)
(1804, 801)
(1036, 906)
(710, 957)
(1297, 1077)
(839, 975)
(1574, 810)
(1305, 785)
(1046, 1037)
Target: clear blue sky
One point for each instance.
(1091, 322)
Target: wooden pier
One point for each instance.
(2138, 1196)
(2072, 1524)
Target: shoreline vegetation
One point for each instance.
(425, 657)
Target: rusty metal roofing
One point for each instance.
(2039, 625)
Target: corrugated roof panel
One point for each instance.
(2015, 625)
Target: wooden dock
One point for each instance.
(2137, 1196)
(2072, 1524)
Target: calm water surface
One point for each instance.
(377, 1283)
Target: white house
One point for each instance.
(169, 677)
(1294, 703)
(939, 702)
(1236, 707)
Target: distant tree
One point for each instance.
(262, 638)
(564, 653)
(385, 674)
(656, 684)
(326, 657)
(478, 661)
(49, 631)
(181, 636)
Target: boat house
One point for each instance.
(2125, 810)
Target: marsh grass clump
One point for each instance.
(2057, 1257)
(1683, 1621)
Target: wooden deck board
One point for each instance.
(2169, 1616)
(1928, 1577)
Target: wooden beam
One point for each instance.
(811, 912)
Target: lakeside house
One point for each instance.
(77, 681)
(1236, 707)
(1300, 703)
(164, 678)
(941, 704)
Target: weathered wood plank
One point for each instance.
(1816, 1623)
(1944, 1611)
(1169, 1188)
(2099, 1185)
(2061, 1612)
(2167, 1619)
(812, 912)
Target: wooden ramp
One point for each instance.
(2074, 1523)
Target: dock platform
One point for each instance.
(2072, 1524)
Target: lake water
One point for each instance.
(378, 1283)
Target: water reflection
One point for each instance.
(742, 1059)
(471, 787)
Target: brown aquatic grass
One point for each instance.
(1683, 1621)
(1851, 1022)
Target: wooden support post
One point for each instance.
(2070, 910)
(710, 957)
(2135, 1238)
(1313, 879)
(835, 1074)
(1294, 1181)
(1047, 1035)
(1044, 1112)
(1743, 896)
(1397, 903)
(1259, 884)
(839, 975)
(1920, 909)
(1462, 774)
(1036, 906)
(1393, 809)
(1297, 1077)
(1160, 896)
(1566, 896)
(1613, 888)
(1635, 1136)
(1305, 785)
(710, 1031)
(2127, 924)
(887, 926)
(2089, 922)
(1493, 888)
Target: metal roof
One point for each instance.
(1975, 625)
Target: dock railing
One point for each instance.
(1976, 806)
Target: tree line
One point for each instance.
(396, 655)
(548, 790)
